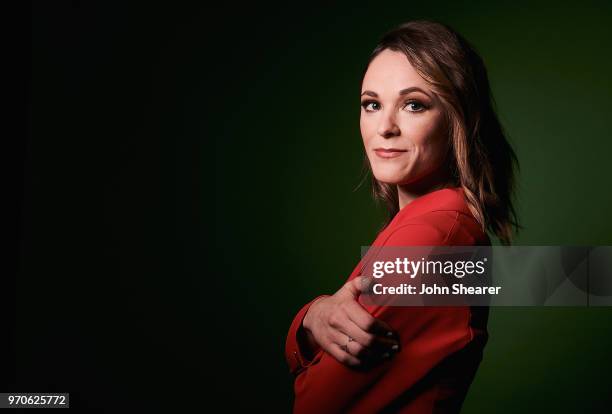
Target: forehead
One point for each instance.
(391, 71)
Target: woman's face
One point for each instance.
(402, 122)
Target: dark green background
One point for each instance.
(189, 185)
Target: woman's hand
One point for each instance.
(331, 321)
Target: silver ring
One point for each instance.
(345, 347)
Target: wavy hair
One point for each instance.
(483, 162)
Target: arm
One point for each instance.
(428, 336)
(300, 349)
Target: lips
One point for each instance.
(389, 152)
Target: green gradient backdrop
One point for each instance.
(249, 122)
(290, 157)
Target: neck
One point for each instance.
(436, 180)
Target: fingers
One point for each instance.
(353, 354)
(343, 356)
(354, 347)
(364, 345)
(344, 318)
(364, 283)
(365, 321)
(356, 286)
(369, 340)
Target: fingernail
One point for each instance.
(389, 333)
(395, 347)
(386, 355)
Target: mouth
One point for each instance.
(389, 152)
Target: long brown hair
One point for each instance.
(482, 161)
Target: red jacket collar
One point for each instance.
(452, 199)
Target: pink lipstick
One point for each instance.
(389, 152)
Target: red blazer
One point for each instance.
(440, 347)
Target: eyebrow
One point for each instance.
(402, 92)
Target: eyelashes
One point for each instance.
(420, 107)
(365, 104)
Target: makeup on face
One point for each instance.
(388, 153)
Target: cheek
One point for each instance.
(428, 135)
(368, 136)
(365, 126)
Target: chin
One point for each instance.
(391, 175)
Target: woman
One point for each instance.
(441, 163)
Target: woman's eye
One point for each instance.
(366, 105)
(415, 106)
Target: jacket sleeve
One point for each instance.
(428, 335)
(294, 345)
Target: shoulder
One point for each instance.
(438, 218)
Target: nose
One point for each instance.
(388, 127)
